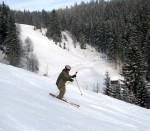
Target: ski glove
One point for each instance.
(73, 76)
(71, 80)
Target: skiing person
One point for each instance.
(62, 79)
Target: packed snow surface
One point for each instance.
(26, 106)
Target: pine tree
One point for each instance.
(0, 25)
(146, 49)
(1, 44)
(128, 96)
(82, 42)
(148, 94)
(64, 47)
(134, 70)
(3, 17)
(0, 32)
(142, 94)
(46, 18)
(118, 92)
(54, 29)
(36, 19)
(125, 94)
(63, 22)
(12, 43)
(9, 40)
(107, 89)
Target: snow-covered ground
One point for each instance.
(26, 106)
(90, 65)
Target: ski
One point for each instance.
(73, 104)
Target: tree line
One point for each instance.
(12, 51)
(9, 41)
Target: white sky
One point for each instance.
(33, 5)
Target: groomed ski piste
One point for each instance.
(27, 106)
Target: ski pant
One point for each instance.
(62, 90)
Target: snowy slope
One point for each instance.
(89, 64)
(26, 106)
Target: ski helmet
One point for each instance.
(67, 67)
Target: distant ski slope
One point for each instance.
(89, 64)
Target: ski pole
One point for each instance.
(78, 84)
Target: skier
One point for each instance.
(62, 79)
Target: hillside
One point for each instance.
(91, 66)
(26, 106)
